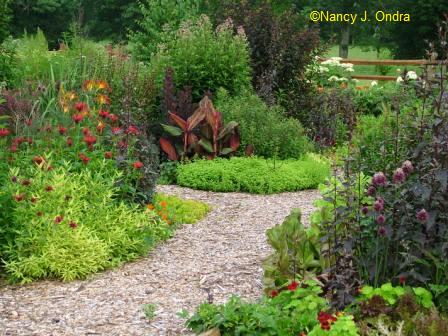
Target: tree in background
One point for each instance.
(5, 18)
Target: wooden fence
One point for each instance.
(354, 61)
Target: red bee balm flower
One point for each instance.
(77, 118)
(108, 155)
(81, 107)
(103, 113)
(138, 165)
(422, 215)
(293, 285)
(4, 132)
(274, 293)
(62, 130)
(58, 219)
(90, 140)
(132, 130)
(85, 131)
(85, 159)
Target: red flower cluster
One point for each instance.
(138, 165)
(4, 132)
(90, 140)
(77, 118)
(326, 320)
(81, 107)
(103, 114)
(108, 155)
(62, 130)
(132, 130)
(84, 158)
(293, 285)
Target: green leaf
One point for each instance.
(172, 130)
(206, 145)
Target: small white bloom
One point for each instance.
(346, 65)
(399, 79)
(373, 83)
(398, 70)
(336, 58)
(323, 69)
(342, 79)
(355, 80)
(411, 75)
(333, 79)
(350, 69)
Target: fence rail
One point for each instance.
(355, 61)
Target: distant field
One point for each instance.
(370, 54)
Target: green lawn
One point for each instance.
(371, 54)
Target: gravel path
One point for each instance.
(222, 254)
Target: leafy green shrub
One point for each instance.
(8, 60)
(181, 211)
(296, 253)
(66, 225)
(160, 19)
(266, 128)
(254, 175)
(296, 310)
(205, 59)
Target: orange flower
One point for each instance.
(150, 206)
(89, 85)
(103, 99)
(164, 217)
(102, 85)
(100, 127)
(163, 204)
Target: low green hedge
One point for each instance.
(254, 175)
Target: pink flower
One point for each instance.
(407, 167)
(382, 231)
(371, 191)
(381, 219)
(422, 215)
(379, 179)
(399, 176)
(365, 210)
(4, 132)
(379, 205)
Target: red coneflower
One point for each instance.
(108, 155)
(138, 164)
(73, 225)
(77, 118)
(4, 132)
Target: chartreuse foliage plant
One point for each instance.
(66, 225)
(176, 210)
(254, 175)
(265, 128)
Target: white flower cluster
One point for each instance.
(410, 75)
(336, 61)
(337, 79)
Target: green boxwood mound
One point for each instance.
(254, 175)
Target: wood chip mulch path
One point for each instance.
(219, 256)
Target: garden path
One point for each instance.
(222, 254)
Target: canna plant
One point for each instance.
(203, 133)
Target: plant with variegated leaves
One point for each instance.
(203, 133)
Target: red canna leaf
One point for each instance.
(169, 149)
(234, 141)
(178, 120)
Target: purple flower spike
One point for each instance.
(382, 231)
(379, 205)
(381, 219)
(407, 167)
